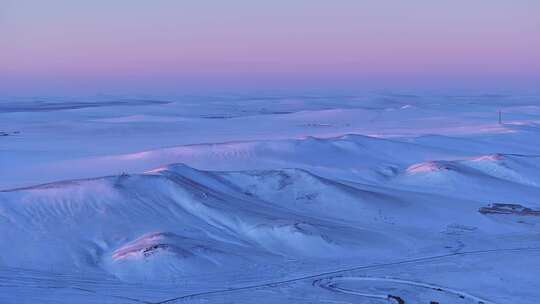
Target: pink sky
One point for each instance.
(61, 45)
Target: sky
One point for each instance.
(166, 46)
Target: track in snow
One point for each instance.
(323, 275)
(332, 284)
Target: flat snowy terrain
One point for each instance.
(379, 198)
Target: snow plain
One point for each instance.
(375, 198)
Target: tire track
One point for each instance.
(340, 271)
(331, 285)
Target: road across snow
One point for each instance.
(330, 280)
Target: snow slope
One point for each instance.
(162, 201)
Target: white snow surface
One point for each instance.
(284, 199)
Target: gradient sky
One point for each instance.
(161, 46)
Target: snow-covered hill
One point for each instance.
(289, 207)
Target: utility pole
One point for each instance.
(500, 117)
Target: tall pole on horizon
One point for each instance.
(500, 117)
